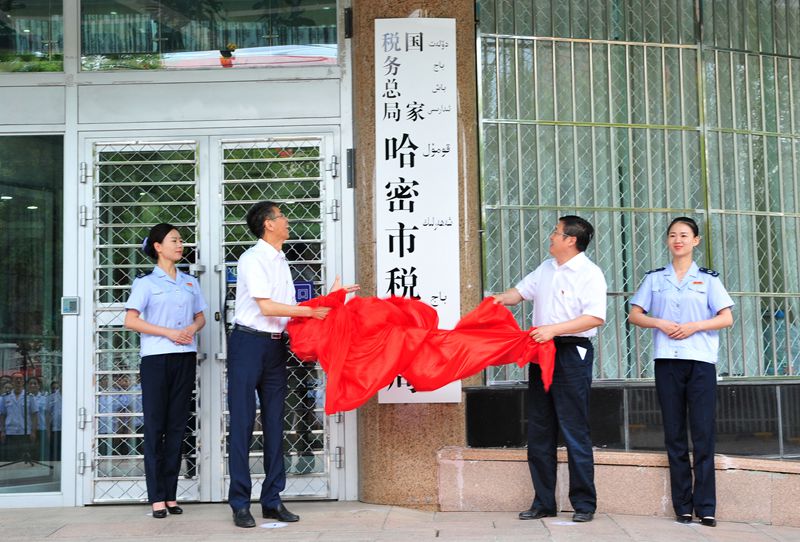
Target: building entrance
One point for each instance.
(204, 186)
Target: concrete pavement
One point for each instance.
(359, 522)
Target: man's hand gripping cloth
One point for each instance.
(364, 344)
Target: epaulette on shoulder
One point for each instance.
(655, 270)
(142, 274)
(708, 271)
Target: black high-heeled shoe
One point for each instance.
(160, 514)
(175, 510)
(709, 521)
(684, 518)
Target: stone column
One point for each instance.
(397, 444)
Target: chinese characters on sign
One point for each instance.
(416, 175)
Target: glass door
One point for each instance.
(31, 337)
(204, 185)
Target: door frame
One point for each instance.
(343, 482)
(71, 346)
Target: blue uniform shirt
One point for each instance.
(167, 303)
(54, 409)
(41, 404)
(13, 407)
(699, 296)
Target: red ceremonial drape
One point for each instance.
(364, 344)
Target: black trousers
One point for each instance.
(18, 448)
(256, 364)
(682, 383)
(167, 384)
(565, 407)
(55, 446)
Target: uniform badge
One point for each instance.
(708, 271)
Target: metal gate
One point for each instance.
(204, 186)
(135, 186)
(289, 171)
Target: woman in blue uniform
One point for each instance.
(166, 308)
(686, 306)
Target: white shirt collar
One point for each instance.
(271, 252)
(574, 263)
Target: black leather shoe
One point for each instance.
(709, 521)
(175, 510)
(160, 514)
(582, 517)
(684, 518)
(243, 518)
(536, 513)
(280, 513)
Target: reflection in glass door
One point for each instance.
(30, 319)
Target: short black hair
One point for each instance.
(685, 220)
(257, 214)
(156, 235)
(577, 227)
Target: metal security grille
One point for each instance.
(751, 60)
(620, 112)
(136, 185)
(288, 171)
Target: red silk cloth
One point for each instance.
(364, 344)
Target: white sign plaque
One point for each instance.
(416, 175)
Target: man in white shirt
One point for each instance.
(569, 304)
(257, 354)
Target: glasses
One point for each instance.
(277, 217)
(562, 234)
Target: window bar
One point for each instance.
(504, 249)
(575, 133)
(621, 330)
(537, 128)
(753, 220)
(556, 147)
(520, 190)
(665, 136)
(782, 221)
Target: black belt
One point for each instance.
(266, 334)
(571, 340)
